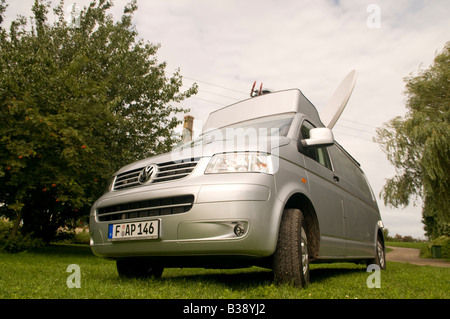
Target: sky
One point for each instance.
(224, 46)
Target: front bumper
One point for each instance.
(207, 229)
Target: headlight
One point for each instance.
(240, 162)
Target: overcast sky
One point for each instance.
(224, 46)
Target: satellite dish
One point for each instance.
(338, 101)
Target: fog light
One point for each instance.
(239, 230)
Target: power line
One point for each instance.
(235, 99)
(228, 97)
(208, 92)
(212, 84)
(354, 128)
(222, 87)
(205, 100)
(359, 123)
(355, 136)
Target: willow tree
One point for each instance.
(418, 145)
(78, 99)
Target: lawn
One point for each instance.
(42, 274)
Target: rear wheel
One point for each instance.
(380, 256)
(291, 260)
(137, 269)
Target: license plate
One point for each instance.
(137, 230)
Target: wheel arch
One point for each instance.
(302, 202)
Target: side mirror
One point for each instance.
(318, 137)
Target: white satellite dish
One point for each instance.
(338, 101)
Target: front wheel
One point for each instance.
(291, 260)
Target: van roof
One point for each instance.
(280, 102)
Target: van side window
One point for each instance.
(319, 154)
(350, 171)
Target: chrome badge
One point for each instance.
(147, 173)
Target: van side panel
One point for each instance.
(360, 210)
(293, 177)
(327, 200)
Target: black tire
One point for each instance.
(291, 260)
(137, 269)
(380, 255)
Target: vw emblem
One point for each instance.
(147, 173)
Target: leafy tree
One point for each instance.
(418, 145)
(77, 101)
(2, 10)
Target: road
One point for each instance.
(411, 255)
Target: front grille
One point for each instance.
(168, 171)
(127, 179)
(146, 208)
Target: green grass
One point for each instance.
(42, 274)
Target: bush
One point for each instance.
(82, 237)
(5, 229)
(18, 244)
(66, 236)
(21, 243)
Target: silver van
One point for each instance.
(265, 184)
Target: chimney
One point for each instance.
(188, 128)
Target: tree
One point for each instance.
(2, 10)
(418, 146)
(77, 101)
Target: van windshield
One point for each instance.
(264, 127)
(274, 125)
